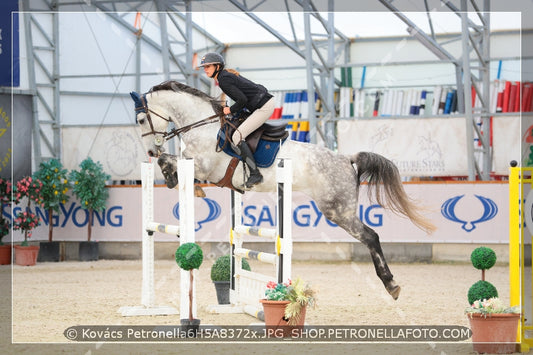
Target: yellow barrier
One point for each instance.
(518, 178)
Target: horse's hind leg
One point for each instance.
(371, 240)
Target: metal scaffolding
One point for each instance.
(474, 38)
(323, 53)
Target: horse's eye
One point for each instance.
(140, 121)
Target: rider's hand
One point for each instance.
(226, 110)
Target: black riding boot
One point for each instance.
(245, 152)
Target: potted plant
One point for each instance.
(55, 187)
(28, 189)
(89, 186)
(494, 325)
(5, 225)
(189, 256)
(221, 274)
(285, 306)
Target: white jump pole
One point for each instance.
(246, 288)
(186, 212)
(185, 231)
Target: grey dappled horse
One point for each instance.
(332, 180)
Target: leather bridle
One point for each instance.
(167, 135)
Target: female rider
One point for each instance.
(245, 94)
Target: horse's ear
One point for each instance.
(137, 99)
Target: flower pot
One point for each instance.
(48, 251)
(275, 322)
(88, 251)
(222, 288)
(5, 254)
(26, 255)
(495, 334)
(190, 327)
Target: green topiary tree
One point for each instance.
(481, 290)
(482, 258)
(55, 187)
(89, 187)
(220, 271)
(189, 256)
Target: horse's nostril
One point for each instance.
(150, 153)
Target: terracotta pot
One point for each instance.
(5, 254)
(276, 323)
(26, 255)
(496, 333)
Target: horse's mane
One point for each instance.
(176, 86)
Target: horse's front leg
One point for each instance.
(169, 168)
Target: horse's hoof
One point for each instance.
(172, 183)
(395, 292)
(198, 191)
(171, 179)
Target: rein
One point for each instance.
(176, 131)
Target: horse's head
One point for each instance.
(153, 125)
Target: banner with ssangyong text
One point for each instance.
(462, 213)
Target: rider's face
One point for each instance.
(209, 69)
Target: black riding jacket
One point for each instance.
(244, 92)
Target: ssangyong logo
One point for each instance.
(214, 212)
(489, 212)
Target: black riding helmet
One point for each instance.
(213, 58)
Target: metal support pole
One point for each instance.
(309, 75)
(467, 84)
(485, 75)
(330, 126)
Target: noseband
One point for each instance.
(175, 131)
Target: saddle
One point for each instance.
(264, 143)
(274, 131)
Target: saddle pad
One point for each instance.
(265, 154)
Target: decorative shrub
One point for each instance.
(5, 200)
(481, 290)
(55, 187)
(25, 221)
(220, 271)
(89, 187)
(189, 256)
(5, 227)
(5, 191)
(483, 258)
(28, 187)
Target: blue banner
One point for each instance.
(9, 43)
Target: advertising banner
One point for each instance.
(15, 136)
(419, 147)
(118, 148)
(9, 43)
(462, 212)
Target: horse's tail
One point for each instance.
(384, 179)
